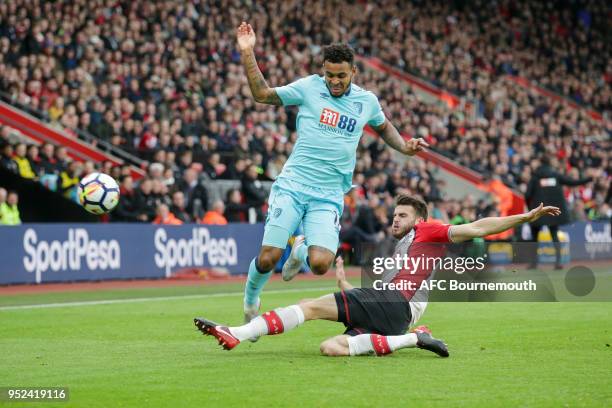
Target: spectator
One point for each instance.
(546, 187)
(165, 217)
(213, 167)
(6, 160)
(3, 194)
(104, 130)
(145, 203)
(69, 179)
(195, 193)
(62, 159)
(235, 171)
(35, 160)
(215, 215)
(48, 162)
(9, 210)
(367, 229)
(156, 171)
(254, 192)
(178, 207)
(56, 111)
(369, 223)
(127, 210)
(235, 210)
(23, 162)
(185, 160)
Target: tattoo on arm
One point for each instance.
(259, 87)
(391, 136)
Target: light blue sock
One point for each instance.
(302, 254)
(255, 283)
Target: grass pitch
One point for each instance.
(146, 352)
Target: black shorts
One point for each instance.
(367, 310)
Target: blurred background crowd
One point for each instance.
(162, 80)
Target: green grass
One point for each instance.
(149, 354)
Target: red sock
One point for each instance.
(274, 322)
(380, 344)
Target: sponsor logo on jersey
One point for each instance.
(336, 122)
(329, 117)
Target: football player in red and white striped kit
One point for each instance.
(377, 320)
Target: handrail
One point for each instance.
(84, 135)
(33, 124)
(526, 83)
(451, 100)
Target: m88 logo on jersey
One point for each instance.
(334, 119)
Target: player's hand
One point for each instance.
(541, 211)
(246, 37)
(340, 274)
(413, 146)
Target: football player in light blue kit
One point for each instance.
(310, 189)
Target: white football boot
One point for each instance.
(293, 265)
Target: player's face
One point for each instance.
(338, 77)
(404, 219)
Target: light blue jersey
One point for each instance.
(309, 190)
(328, 131)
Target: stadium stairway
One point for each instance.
(458, 180)
(454, 101)
(451, 100)
(41, 132)
(527, 84)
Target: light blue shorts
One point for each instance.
(291, 203)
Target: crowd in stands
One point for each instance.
(469, 48)
(163, 80)
(9, 207)
(461, 45)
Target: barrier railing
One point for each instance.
(32, 123)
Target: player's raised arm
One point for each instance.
(494, 225)
(262, 93)
(392, 137)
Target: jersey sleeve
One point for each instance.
(377, 116)
(432, 232)
(293, 93)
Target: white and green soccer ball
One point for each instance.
(98, 193)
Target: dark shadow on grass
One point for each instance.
(250, 352)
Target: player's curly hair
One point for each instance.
(338, 53)
(419, 205)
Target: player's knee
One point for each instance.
(319, 264)
(309, 308)
(268, 257)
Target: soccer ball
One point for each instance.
(98, 193)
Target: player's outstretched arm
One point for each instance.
(494, 225)
(262, 93)
(341, 276)
(392, 137)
